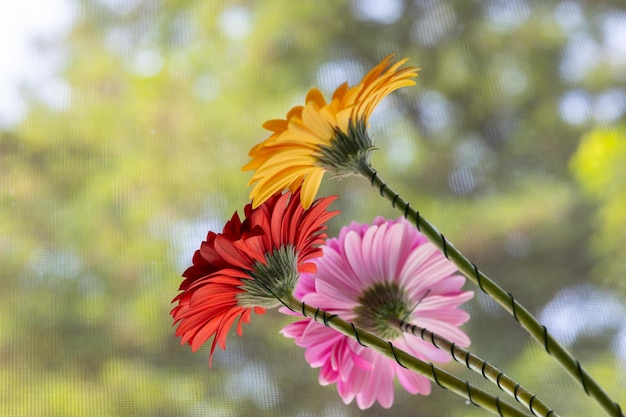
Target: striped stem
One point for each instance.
(442, 378)
(476, 364)
(489, 287)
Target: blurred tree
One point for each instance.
(103, 200)
(599, 166)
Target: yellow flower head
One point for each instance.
(321, 136)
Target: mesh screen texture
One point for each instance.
(124, 125)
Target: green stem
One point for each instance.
(442, 378)
(489, 287)
(476, 364)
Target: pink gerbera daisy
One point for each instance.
(376, 277)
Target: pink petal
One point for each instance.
(449, 301)
(379, 385)
(449, 331)
(341, 295)
(355, 259)
(379, 253)
(413, 382)
(423, 350)
(395, 248)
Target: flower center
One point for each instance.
(275, 279)
(346, 151)
(379, 306)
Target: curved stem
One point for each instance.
(476, 364)
(489, 287)
(442, 378)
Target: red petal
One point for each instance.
(225, 248)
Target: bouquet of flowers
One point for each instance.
(378, 302)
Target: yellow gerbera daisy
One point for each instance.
(321, 136)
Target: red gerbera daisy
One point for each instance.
(248, 267)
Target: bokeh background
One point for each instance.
(123, 127)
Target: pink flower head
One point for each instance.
(374, 276)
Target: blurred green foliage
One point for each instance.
(599, 166)
(511, 144)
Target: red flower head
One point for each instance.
(248, 267)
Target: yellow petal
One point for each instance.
(310, 186)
